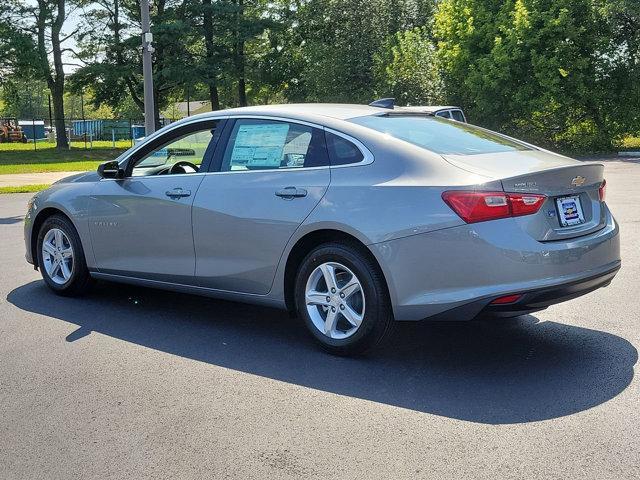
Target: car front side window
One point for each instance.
(182, 153)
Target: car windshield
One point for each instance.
(439, 135)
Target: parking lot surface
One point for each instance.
(131, 383)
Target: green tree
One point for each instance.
(538, 68)
(406, 68)
(110, 50)
(35, 30)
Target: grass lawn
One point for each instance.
(22, 158)
(23, 189)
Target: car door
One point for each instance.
(267, 180)
(141, 224)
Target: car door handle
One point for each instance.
(291, 192)
(177, 193)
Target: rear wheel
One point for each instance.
(343, 300)
(61, 257)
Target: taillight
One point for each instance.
(475, 207)
(525, 204)
(602, 191)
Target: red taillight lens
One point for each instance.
(602, 191)
(475, 207)
(525, 204)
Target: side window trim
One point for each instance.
(367, 156)
(215, 165)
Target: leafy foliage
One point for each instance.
(407, 69)
(548, 70)
(562, 73)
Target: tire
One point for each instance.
(368, 302)
(78, 280)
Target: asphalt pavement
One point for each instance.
(133, 383)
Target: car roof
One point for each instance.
(340, 111)
(311, 111)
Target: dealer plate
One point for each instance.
(570, 211)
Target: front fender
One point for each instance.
(70, 199)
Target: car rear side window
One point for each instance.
(440, 136)
(342, 151)
(457, 115)
(257, 144)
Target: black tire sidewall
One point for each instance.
(79, 274)
(377, 313)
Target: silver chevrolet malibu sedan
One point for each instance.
(351, 217)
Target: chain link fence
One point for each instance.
(81, 133)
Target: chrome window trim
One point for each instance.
(367, 155)
(274, 117)
(145, 177)
(291, 169)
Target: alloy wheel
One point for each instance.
(57, 256)
(335, 300)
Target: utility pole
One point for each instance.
(147, 69)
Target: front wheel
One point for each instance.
(61, 257)
(342, 297)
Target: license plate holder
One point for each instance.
(570, 211)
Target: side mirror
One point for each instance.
(110, 170)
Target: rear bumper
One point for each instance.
(455, 273)
(540, 299)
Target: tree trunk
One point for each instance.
(210, 54)
(239, 57)
(214, 97)
(57, 93)
(57, 98)
(55, 79)
(242, 91)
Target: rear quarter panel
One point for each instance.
(396, 196)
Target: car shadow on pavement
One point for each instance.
(500, 372)
(11, 220)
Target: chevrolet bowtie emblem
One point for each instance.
(578, 181)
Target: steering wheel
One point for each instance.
(183, 167)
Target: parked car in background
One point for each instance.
(444, 111)
(350, 216)
(454, 113)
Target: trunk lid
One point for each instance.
(567, 183)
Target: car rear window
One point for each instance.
(440, 136)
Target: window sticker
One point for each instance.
(259, 145)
